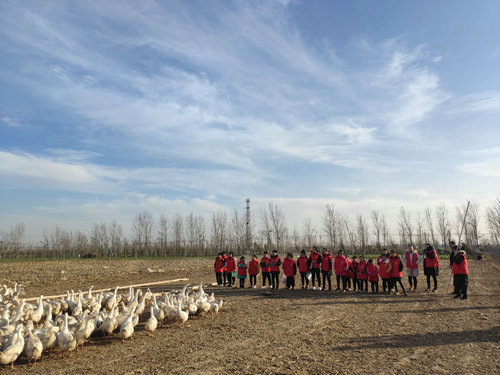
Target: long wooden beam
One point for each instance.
(109, 289)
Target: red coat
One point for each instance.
(264, 264)
(289, 267)
(224, 258)
(339, 264)
(326, 262)
(303, 263)
(242, 268)
(275, 263)
(362, 275)
(315, 260)
(231, 264)
(382, 270)
(372, 272)
(412, 260)
(219, 265)
(396, 262)
(460, 268)
(431, 263)
(253, 267)
(347, 269)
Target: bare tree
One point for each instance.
(349, 230)
(15, 237)
(405, 226)
(386, 237)
(238, 231)
(422, 236)
(220, 230)
(472, 225)
(177, 228)
(115, 238)
(309, 236)
(99, 238)
(295, 238)
(142, 227)
(163, 226)
(430, 226)
(332, 225)
(195, 233)
(443, 224)
(377, 227)
(362, 229)
(80, 244)
(493, 219)
(278, 224)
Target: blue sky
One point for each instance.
(110, 108)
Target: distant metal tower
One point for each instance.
(248, 234)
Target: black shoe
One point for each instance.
(463, 297)
(457, 296)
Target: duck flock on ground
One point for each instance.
(65, 324)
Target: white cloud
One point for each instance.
(489, 168)
(9, 121)
(488, 101)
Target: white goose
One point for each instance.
(151, 323)
(33, 348)
(14, 350)
(127, 328)
(65, 338)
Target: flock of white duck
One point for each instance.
(67, 323)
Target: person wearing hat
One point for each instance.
(275, 263)
(431, 267)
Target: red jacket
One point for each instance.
(303, 263)
(339, 264)
(275, 263)
(315, 260)
(431, 262)
(460, 264)
(219, 265)
(372, 272)
(253, 267)
(289, 267)
(224, 258)
(264, 264)
(242, 268)
(362, 275)
(326, 262)
(411, 259)
(230, 264)
(382, 270)
(347, 268)
(397, 269)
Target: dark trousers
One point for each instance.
(355, 282)
(218, 276)
(456, 289)
(395, 281)
(374, 286)
(412, 280)
(338, 281)
(327, 276)
(226, 280)
(365, 283)
(253, 280)
(290, 282)
(266, 276)
(346, 281)
(434, 278)
(275, 279)
(242, 283)
(462, 284)
(315, 275)
(386, 285)
(304, 280)
(230, 279)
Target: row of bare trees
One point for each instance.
(190, 235)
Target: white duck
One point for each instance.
(65, 338)
(182, 316)
(37, 314)
(151, 323)
(14, 350)
(127, 328)
(33, 348)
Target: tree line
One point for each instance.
(192, 235)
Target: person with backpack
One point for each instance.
(431, 267)
(303, 264)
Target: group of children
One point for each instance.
(352, 274)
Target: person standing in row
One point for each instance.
(354, 271)
(224, 273)
(384, 270)
(253, 271)
(338, 266)
(431, 267)
(275, 263)
(460, 272)
(230, 269)
(303, 264)
(290, 270)
(396, 272)
(266, 270)
(326, 268)
(219, 269)
(362, 275)
(372, 273)
(453, 253)
(242, 271)
(412, 260)
(315, 259)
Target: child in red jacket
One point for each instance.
(384, 270)
(372, 273)
(290, 270)
(303, 264)
(219, 269)
(326, 268)
(253, 271)
(242, 271)
(230, 269)
(338, 266)
(362, 275)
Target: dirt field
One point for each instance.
(300, 332)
